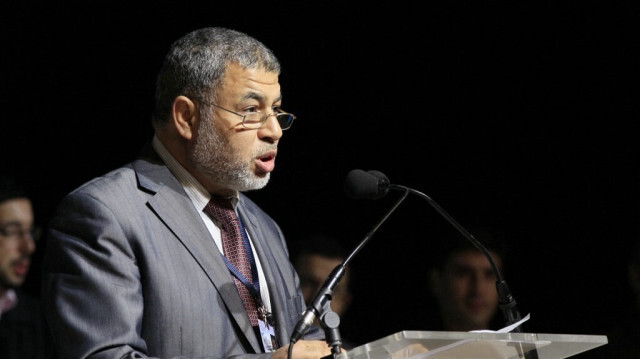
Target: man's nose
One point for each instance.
(271, 130)
(27, 242)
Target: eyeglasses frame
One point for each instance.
(262, 122)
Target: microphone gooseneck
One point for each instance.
(507, 302)
(358, 185)
(375, 228)
(374, 184)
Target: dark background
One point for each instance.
(521, 116)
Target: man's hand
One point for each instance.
(304, 349)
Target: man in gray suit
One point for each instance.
(134, 267)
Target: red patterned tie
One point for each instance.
(221, 210)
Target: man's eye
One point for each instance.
(277, 109)
(489, 274)
(10, 230)
(250, 109)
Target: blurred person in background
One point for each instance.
(23, 333)
(315, 257)
(463, 282)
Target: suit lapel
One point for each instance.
(272, 271)
(172, 205)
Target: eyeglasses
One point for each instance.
(255, 120)
(15, 232)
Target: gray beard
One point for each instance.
(213, 155)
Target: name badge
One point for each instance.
(267, 330)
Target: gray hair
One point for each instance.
(197, 62)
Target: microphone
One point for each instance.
(366, 185)
(358, 185)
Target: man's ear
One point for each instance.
(185, 116)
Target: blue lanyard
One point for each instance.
(253, 288)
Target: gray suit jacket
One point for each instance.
(131, 271)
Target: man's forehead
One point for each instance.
(313, 258)
(469, 259)
(236, 73)
(250, 84)
(13, 204)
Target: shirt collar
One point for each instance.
(8, 300)
(196, 191)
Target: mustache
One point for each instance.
(20, 260)
(263, 150)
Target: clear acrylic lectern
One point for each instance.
(474, 345)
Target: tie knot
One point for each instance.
(222, 202)
(221, 209)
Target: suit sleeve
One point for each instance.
(91, 283)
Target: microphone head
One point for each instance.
(366, 185)
(382, 179)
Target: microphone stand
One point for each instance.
(330, 320)
(320, 306)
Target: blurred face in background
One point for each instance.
(16, 242)
(465, 289)
(313, 271)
